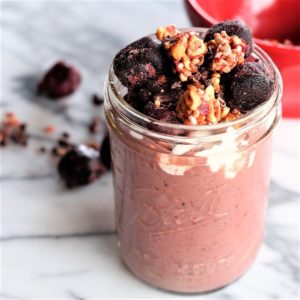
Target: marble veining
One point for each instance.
(61, 244)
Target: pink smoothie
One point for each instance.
(191, 181)
(182, 225)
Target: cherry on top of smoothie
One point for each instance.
(182, 77)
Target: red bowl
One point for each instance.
(269, 20)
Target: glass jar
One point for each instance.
(190, 200)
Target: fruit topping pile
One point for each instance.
(182, 77)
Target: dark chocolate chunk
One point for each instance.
(65, 135)
(80, 166)
(251, 85)
(105, 155)
(232, 27)
(60, 81)
(97, 101)
(42, 149)
(139, 62)
(63, 143)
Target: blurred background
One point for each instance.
(60, 243)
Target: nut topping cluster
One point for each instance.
(186, 49)
(12, 130)
(198, 105)
(229, 51)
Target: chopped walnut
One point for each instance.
(166, 32)
(224, 112)
(229, 51)
(186, 49)
(12, 129)
(188, 54)
(157, 102)
(198, 105)
(215, 81)
(232, 115)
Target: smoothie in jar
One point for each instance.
(191, 115)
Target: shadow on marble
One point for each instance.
(71, 108)
(26, 87)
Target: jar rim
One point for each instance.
(260, 111)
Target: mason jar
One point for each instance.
(190, 201)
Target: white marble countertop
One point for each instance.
(61, 244)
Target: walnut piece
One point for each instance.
(232, 115)
(186, 49)
(198, 105)
(215, 81)
(229, 51)
(169, 31)
(188, 54)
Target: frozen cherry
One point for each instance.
(251, 85)
(232, 27)
(60, 81)
(80, 166)
(140, 62)
(163, 114)
(225, 86)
